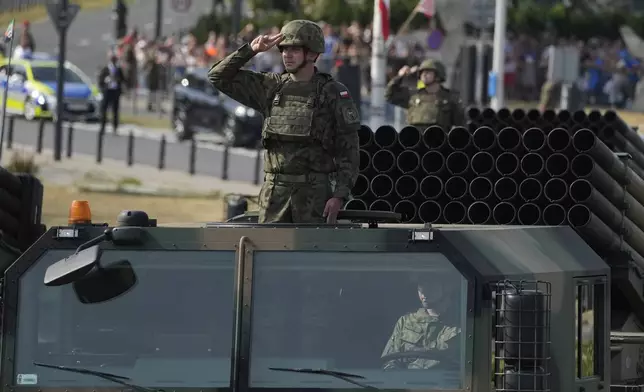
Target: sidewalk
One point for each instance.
(83, 170)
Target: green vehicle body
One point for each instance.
(214, 307)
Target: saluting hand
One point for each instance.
(404, 70)
(265, 42)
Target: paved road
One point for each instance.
(209, 158)
(92, 31)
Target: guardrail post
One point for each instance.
(193, 157)
(130, 149)
(10, 132)
(99, 146)
(161, 164)
(41, 135)
(224, 163)
(70, 139)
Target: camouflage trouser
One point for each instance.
(287, 198)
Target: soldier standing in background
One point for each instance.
(310, 129)
(430, 103)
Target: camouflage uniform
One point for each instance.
(418, 331)
(424, 108)
(310, 130)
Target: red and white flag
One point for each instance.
(383, 5)
(427, 7)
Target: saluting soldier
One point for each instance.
(429, 103)
(310, 130)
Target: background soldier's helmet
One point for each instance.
(433, 65)
(303, 33)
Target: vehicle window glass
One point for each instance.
(588, 333)
(172, 330)
(356, 313)
(19, 69)
(200, 84)
(3, 71)
(50, 75)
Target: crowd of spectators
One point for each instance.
(608, 73)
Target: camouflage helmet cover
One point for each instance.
(433, 65)
(303, 33)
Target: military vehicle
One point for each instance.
(379, 300)
(241, 305)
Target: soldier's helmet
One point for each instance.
(303, 33)
(433, 65)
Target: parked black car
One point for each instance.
(199, 108)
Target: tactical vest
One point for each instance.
(293, 108)
(425, 109)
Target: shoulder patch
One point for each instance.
(350, 115)
(345, 94)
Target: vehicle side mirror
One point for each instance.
(73, 267)
(104, 283)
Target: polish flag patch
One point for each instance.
(344, 94)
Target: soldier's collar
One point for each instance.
(422, 313)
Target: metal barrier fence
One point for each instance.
(193, 157)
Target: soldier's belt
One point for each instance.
(297, 178)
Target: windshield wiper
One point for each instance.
(105, 376)
(340, 375)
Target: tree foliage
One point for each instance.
(525, 16)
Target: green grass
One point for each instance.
(147, 121)
(106, 206)
(132, 181)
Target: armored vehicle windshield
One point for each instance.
(395, 316)
(350, 312)
(173, 328)
(395, 319)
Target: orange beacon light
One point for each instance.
(80, 213)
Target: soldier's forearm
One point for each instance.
(346, 177)
(392, 88)
(246, 87)
(347, 163)
(395, 93)
(225, 70)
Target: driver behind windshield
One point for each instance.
(430, 329)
